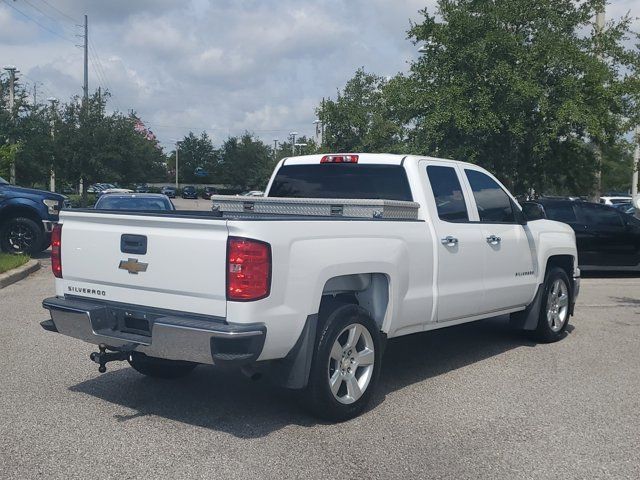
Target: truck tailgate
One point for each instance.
(183, 267)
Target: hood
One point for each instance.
(31, 192)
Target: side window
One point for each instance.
(494, 205)
(561, 212)
(448, 194)
(601, 216)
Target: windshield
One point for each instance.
(344, 180)
(132, 203)
(3, 181)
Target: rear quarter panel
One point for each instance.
(306, 254)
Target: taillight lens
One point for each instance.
(339, 159)
(248, 269)
(56, 250)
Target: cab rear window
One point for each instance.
(343, 180)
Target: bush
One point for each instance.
(76, 201)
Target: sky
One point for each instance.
(220, 66)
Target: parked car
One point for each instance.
(208, 191)
(114, 190)
(134, 201)
(371, 247)
(96, 188)
(625, 208)
(169, 191)
(253, 193)
(27, 217)
(142, 188)
(607, 238)
(615, 200)
(190, 192)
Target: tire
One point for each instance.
(347, 355)
(554, 307)
(160, 367)
(21, 235)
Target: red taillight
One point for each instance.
(56, 250)
(339, 159)
(248, 269)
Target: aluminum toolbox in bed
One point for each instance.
(320, 207)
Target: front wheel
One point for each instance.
(160, 367)
(345, 366)
(555, 306)
(21, 236)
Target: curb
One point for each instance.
(17, 274)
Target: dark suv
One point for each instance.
(607, 239)
(190, 192)
(27, 217)
(208, 191)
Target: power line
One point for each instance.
(53, 7)
(38, 23)
(42, 12)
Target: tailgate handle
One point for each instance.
(133, 244)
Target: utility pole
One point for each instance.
(52, 176)
(597, 149)
(86, 60)
(636, 161)
(293, 143)
(85, 86)
(12, 97)
(177, 150)
(275, 149)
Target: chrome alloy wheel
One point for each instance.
(351, 363)
(558, 305)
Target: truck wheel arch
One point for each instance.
(370, 291)
(15, 211)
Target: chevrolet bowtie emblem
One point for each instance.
(133, 266)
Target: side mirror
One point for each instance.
(533, 211)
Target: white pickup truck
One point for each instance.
(306, 284)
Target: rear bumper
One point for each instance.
(169, 335)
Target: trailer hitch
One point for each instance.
(103, 357)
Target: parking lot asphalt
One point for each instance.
(190, 204)
(473, 401)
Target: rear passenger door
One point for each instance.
(459, 243)
(507, 247)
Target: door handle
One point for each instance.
(493, 239)
(449, 241)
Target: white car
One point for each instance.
(116, 190)
(615, 200)
(307, 283)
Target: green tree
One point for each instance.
(246, 162)
(361, 118)
(196, 153)
(522, 88)
(98, 147)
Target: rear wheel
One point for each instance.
(555, 305)
(346, 364)
(21, 235)
(160, 367)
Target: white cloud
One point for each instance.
(223, 66)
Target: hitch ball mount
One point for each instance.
(103, 357)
